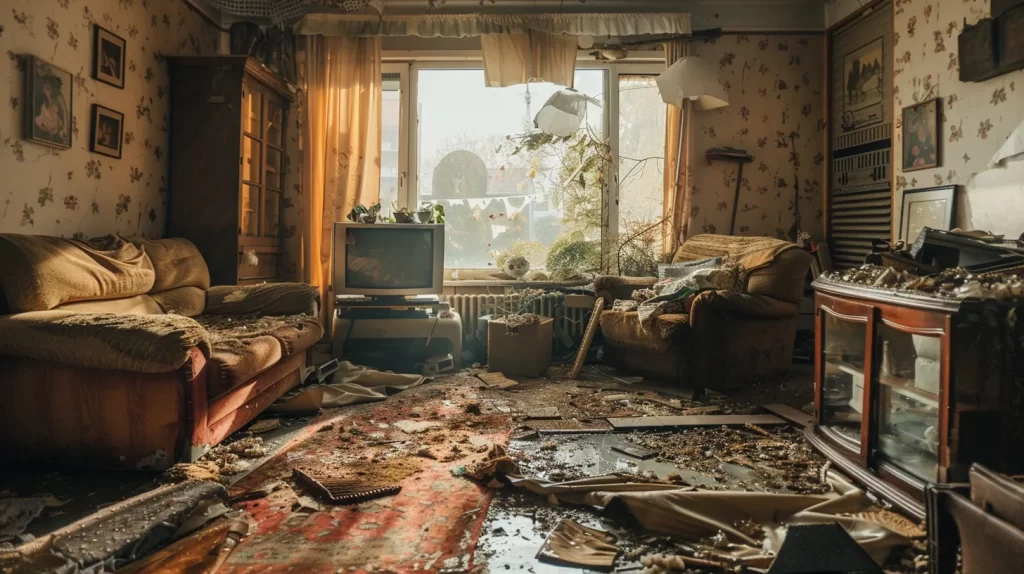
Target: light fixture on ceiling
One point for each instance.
(564, 112)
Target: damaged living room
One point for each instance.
(539, 286)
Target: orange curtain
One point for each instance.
(676, 206)
(341, 145)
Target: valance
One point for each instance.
(466, 25)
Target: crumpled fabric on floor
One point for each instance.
(692, 514)
(573, 543)
(351, 385)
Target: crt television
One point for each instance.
(388, 259)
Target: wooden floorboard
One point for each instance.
(623, 423)
(791, 414)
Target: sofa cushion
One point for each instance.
(263, 299)
(186, 301)
(176, 263)
(750, 252)
(41, 272)
(121, 342)
(137, 305)
(623, 329)
(235, 361)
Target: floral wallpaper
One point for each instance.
(976, 117)
(72, 192)
(775, 113)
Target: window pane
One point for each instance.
(390, 120)
(641, 173)
(496, 200)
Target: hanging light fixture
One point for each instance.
(564, 112)
(692, 78)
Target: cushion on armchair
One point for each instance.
(623, 330)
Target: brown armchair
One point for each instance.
(728, 338)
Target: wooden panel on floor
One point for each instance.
(623, 423)
(791, 414)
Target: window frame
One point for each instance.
(408, 194)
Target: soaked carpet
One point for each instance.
(432, 525)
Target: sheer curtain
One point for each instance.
(676, 205)
(341, 144)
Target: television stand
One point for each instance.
(405, 324)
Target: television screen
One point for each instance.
(389, 257)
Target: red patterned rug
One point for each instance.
(415, 439)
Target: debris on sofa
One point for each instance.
(575, 544)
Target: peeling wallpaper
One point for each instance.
(976, 117)
(72, 192)
(775, 113)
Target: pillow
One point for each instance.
(176, 263)
(679, 270)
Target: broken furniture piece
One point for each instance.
(129, 359)
(982, 521)
(739, 157)
(340, 491)
(728, 338)
(912, 388)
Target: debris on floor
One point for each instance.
(575, 544)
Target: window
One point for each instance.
(506, 194)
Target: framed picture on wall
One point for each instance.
(47, 108)
(108, 57)
(921, 136)
(932, 207)
(105, 135)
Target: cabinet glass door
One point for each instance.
(909, 374)
(843, 348)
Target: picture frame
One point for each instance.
(933, 207)
(47, 115)
(108, 59)
(921, 141)
(863, 81)
(106, 133)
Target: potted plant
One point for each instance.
(402, 215)
(424, 214)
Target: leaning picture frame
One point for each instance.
(933, 207)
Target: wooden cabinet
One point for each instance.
(228, 131)
(911, 390)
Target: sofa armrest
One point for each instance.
(612, 287)
(120, 342)
(743, 305)
(263, 299)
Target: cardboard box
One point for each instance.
(523, 351)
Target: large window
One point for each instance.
(475, 150)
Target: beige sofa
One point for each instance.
(117, 352)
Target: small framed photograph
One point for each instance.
(47, 115)
(921, 135)
(932, 207)
(108, 57)
(105, 136)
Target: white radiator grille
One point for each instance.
(570, 318)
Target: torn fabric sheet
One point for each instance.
(351, 385)
(690, 514)
(1012, 147)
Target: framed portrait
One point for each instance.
(106, 133)
(47, 109)
(921, 139)
(863, 85)
(932, 207)
(108, 57)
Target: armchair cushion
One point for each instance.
(623, 330)
(122, 342)
(743, 305)
(264, 299)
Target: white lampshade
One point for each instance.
(563, 113)
(692, 78)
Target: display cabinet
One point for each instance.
(911, 390)
(228, 130)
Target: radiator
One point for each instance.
(570, 312)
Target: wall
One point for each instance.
(977, 117)
(775, 113)
(75, 192)
(836, 10)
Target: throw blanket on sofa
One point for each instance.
(138, 343)
(751, 253)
